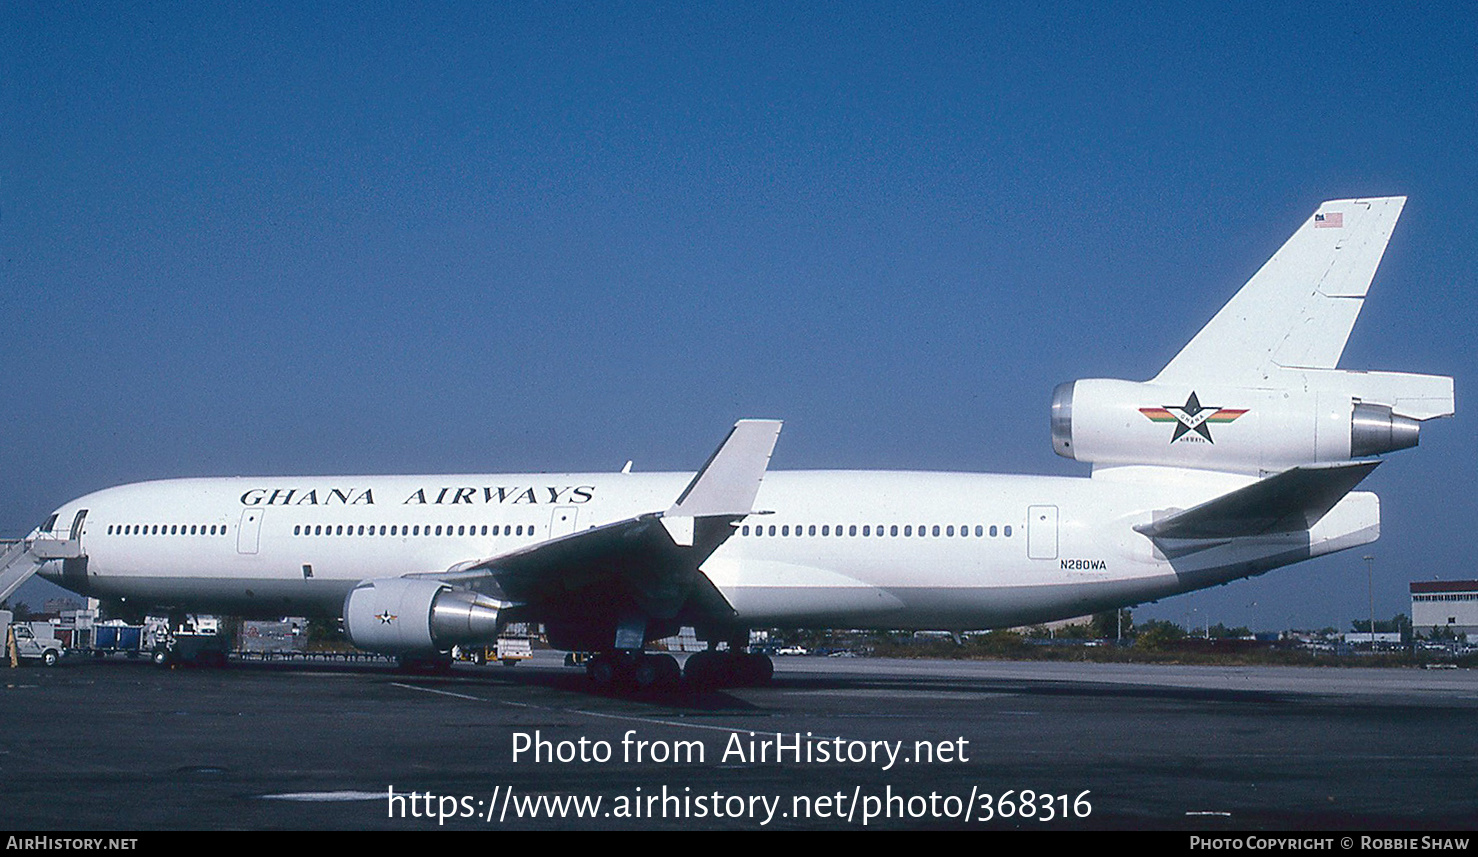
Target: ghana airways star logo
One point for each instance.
(1192, 417)
(387, 617)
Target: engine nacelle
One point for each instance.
(398, 615)
(1109, 422)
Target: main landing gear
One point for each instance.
(728, 669)
(633, 669)
(710, 669)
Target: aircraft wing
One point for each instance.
(648, 563)
(1289, 502)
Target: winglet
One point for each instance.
(730, 479)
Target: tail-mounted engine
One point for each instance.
(1323, 415)
(408, 616)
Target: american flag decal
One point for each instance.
(1332, 220)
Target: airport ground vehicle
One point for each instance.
(31, 641)
(507, 650)
(110, 639)
(192, 648)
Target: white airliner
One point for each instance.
(1239, 457)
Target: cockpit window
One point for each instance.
(50, 523)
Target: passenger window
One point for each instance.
(811, 530)
(950, 530)
(992, 530)
(1007, 531)
(852, 530)
(978, 531)
(825, 529)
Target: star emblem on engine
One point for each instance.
(386, 618)
(1192, 417)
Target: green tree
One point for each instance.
(1400, 623)
(20, 609)
(1158, 634)
(1106, 624)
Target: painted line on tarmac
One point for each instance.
(626, 717)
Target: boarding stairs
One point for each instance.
(25, 557)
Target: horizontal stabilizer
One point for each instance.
(1289, 502)
(730, 480)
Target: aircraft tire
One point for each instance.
(755, 669)
(703, 670)
(609, 670)
(656, 671)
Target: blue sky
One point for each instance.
(376, 238)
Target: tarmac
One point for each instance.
(832, 743)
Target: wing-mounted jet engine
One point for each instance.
(416, 617)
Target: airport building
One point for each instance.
(1445, 604)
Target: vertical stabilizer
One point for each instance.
(1298, 309)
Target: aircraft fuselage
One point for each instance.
(877, 549)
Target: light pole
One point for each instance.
(1370, 589)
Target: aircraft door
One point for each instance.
(75, 532)
(249, 532)
(1041, 532)
(74, 569)
(563, 521)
